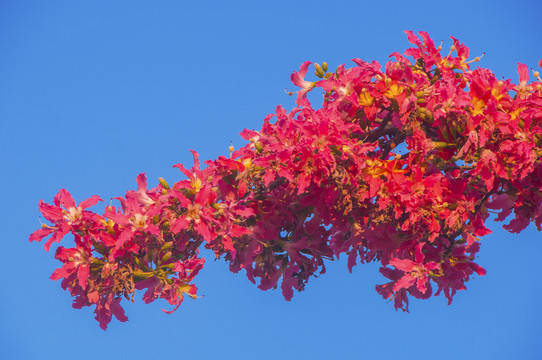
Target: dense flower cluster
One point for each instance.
(402, 166)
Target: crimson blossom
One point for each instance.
(401, 166)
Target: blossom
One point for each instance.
(415, 272)
(401, 165)
(298, 79)
(65, 215)
(141, 194)
(133, 218)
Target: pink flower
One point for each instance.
(134, 219)
(298, 78)
(106, 308)
(76, 265)
(65, 215)
(399, 167)
(198, 212)
(195, 174)
(415, 272)
(141, 194)
(173, 291)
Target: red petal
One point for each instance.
(203, 196)
(352, 259)
(65, 199)
(204, 231)
(118, 311)
(523, 72)
(93, 297)
(413, 39)
(419, 254)
(62, 272)
(51, 212)
(196, 159)
(402, 264)
(244, 212)
(421, 285)
(180, 224)
(124, 238)
(183, 169)
(228, 246)
(57, 235)
(238, 231)
(268, 177)
(93, 200)
(141, 182)
(298, 78)
(82, 275)
(39, 234)
(404, 283)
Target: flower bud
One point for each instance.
(142, 275)
(166, 257)
(441, 144)
(324, 66)
(138, 262)
(163, 182)
(319, 72)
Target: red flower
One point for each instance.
(298, 78)
(133, 220)
(415, 272)
(399, 167)
(65, 216)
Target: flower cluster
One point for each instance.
(402, 166)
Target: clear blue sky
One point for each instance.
(93, 93)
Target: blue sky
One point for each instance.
(94, 93)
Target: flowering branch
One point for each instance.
(314, 184)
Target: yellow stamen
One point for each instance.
(365, 99)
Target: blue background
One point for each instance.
(94, 93)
